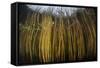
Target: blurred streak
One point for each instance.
(45, 38)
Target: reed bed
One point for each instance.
(46, 38)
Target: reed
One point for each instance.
(45, 38)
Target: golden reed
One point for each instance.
(45, 38)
